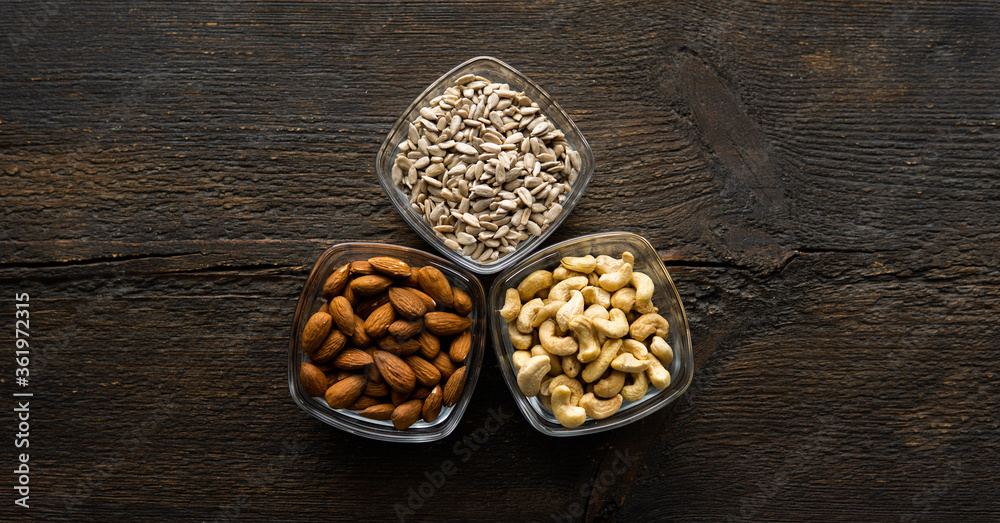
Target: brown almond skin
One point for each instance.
(430, 345)
(432, 404)
(361, 268)
(406, 302)
(368, 305)
(315, 331)
(332, 345)
(407, 414)
(397, 346)
(391, 267)
(352, 359)
(360, 338)
(454, 387)
(343, 314)
(429, 303)
(462, 303)
(396, 373)
(382, 411)
(434, 283)
(334, 285)
(377, 324)
(427, 374)
(460, 347)
(420, 393)
(363, 403)
(345, 392)
(312, 379)
(349, 295)
(369, 285)
(403, 329)
(443, 363)
(411, 280)
(446, 323)
(398, 398)
(376, 390)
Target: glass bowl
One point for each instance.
(311, 301)
(665, 297)
(497, 72)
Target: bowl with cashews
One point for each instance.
(591, 334)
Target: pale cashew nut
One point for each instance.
(596, 296)
(628, 363)
(574, 386)
(643, 292)
(586, 337)
(623, 299)
(562, 290)
(543, 388)
(529, 378)
(519, 358)
(568, 415)
(555, 362)
(658, 375)
(527, 315)
(585, 264)
(618, 276)
(637, 389)
(635, 348)
(593, 279)
(518, 339)
(628, 258)
(647, 324)
(599, 409)
(558, 345)
(548, 311)
(662, 350)
(562, 273)
(604, 264)
(611, 385)
(616, 326)
(572, 308)
(596, 311)
(571, 366)
(533, 283)
(596, 368)
(511, 305)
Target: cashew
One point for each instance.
(571, 366)
(635, 348)
(572, 308)
(616, 276)
(658, 375)
(555, 362)
(533, 283)
(662, 350)
(593, 279)
(548, 311)
(628, 363)
(598, 408)
(568, 415)
(543, 388)
(647, 324)
(511, 305)
(559, 345)
(519, 358)
(574, 386)
(584, 264)
(562, 273)
(529, 378)
(518, 339)
(604, 264)
(623, 299)
(594, 369)
(643, 292)
(562, 290)
(596, 296)
(616, 326)
(637, 389)
(586, 337)
(527, 315)
(611, 385)
(596, 311)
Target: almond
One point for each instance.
(407, 414)
(429, 302)
(427, 374)
(335, 284)
(382, 411)
(454, 387)
(352, 359)
(434, 283)
(446, 323)
(443, 363)
(411, 280)
(420, 393)
(392, 267)
(312, 379)
(460, 347)
(377, 324)
(398, 398)
(376, 390)
(430, 345)
(396, 373)
(462, 303)
(361, 268)
(345, 391)
(331, 346)
(369, 285)
(398, 347)
(407, 303)
(315, 331)
(365, 307)
(432, 404)
(360, 338)
(343, 314)
(406, 329)
(349, 295)
(363, 403)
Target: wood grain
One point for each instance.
(820, 178)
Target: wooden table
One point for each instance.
(820, 177)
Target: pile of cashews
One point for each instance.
(580, 336)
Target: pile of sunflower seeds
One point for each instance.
(485, 168)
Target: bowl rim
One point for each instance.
(376, 430)
(553, 111)
(647, 406)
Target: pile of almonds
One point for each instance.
(375, 345)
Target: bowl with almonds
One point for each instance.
(387, 342)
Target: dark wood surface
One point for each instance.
(820, 177)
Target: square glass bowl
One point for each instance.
(498, 72)
(350, 421)
(665, 297)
